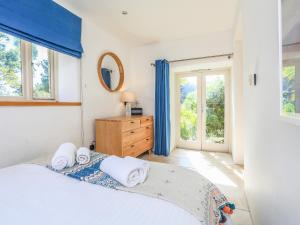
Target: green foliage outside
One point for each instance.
(188, 113)
(40, 67)
(288, 89)
(10, 66)
(214, 112)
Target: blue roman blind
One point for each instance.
(43, 22)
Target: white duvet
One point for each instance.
(34, 195)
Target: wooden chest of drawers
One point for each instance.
(124, 136)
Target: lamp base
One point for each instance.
(128, 109)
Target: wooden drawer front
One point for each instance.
(148, 143)
(130, 125)
(131, 137)
(146, 121)
(138, 148)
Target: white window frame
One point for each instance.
(27, 76)
(188, 144)
(200, 143)
(225, 147)
(292, 118)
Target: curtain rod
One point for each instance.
(230, 55)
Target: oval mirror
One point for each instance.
(110, 72)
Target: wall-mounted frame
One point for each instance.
(119, 74)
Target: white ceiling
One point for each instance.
(150, 21)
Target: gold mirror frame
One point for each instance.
(120, 67)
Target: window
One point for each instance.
(202, 109)
(42, 87)
(288, 89)
(215, 109)
(290, 74)
(10, 66)
(26, 70)
(188, 107)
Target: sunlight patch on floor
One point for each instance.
(220, 169)
(214, 174)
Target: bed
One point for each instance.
(34, 195)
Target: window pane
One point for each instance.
(41, 72)
(188, 108)
(215, 109)
(290, 78)
(10, 66)
(288, 89)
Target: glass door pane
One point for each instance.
(202, 110)
(214, 111)
(188, 108)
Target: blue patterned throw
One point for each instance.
(91, 172)
(198, 196)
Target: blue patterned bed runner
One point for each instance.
(91, 172)
(198, 196)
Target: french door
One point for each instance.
(202, 110)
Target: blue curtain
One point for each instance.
(42, 22)
(106, 77)
(162, 108)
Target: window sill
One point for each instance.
(291, 118)
(38, 103)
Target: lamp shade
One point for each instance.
(128, 96)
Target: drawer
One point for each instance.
(138, 148)
(130, 125)
(146, 121)
(148, 143)
(132, 136)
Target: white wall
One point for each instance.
(29, 132)
(272, 150)
(237, 104)
(144, 73)
(98, 102)
(68, 79)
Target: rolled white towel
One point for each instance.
(64, 156)
(144, 165)
(122, 170)
(83, 155)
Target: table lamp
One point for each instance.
(127, 98)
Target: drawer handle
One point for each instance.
(132, 146)
(147, 127)
(147, 119)
(147, 139)
(131, 121)
(132, 132)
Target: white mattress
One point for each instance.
(33, 195)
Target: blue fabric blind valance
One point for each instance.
(43, 22)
